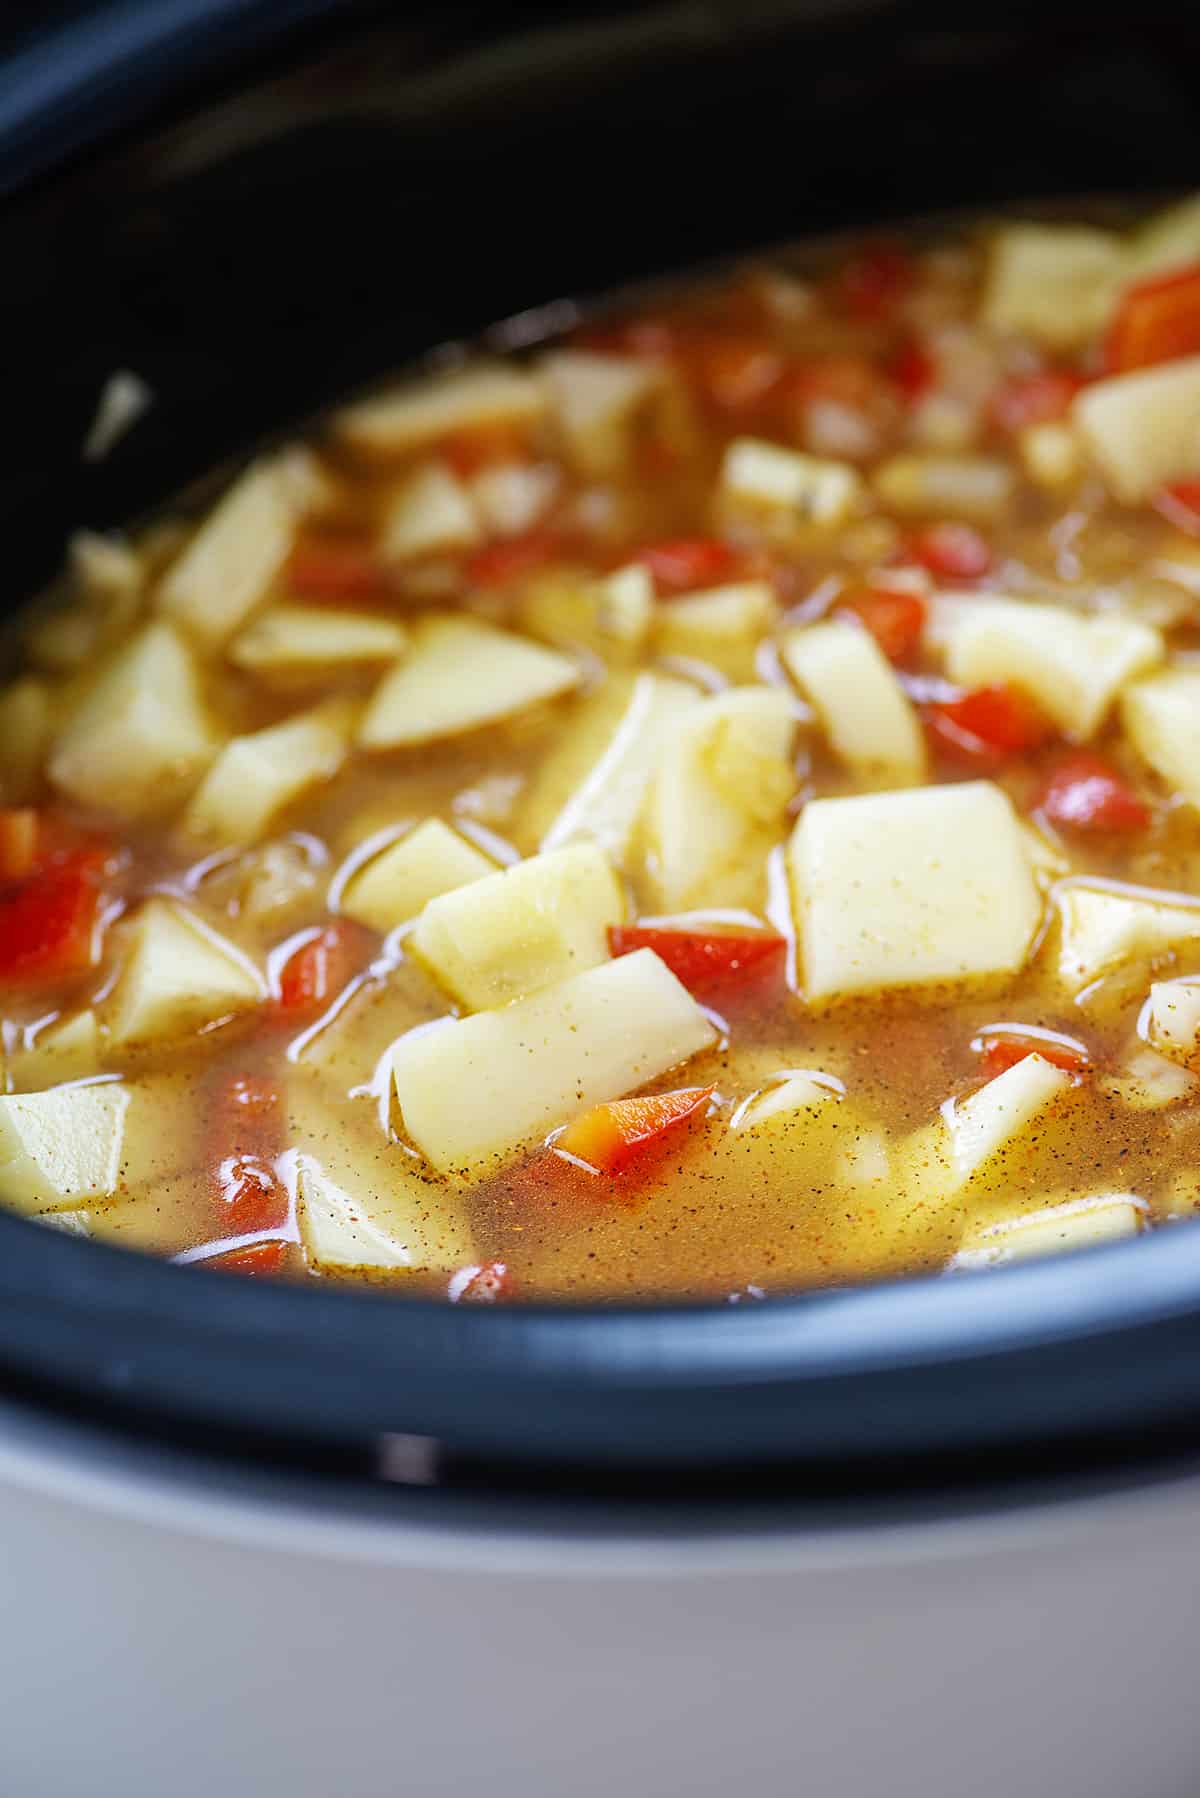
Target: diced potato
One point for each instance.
(1161, 718)
(1103, 930)
(624, 604)
(303, 641)
(66, 1050)
(1054, 283)
(596, 400)
(1143, 429)
(764, 476)
(1073, 666)
(522, 928)
(141, 737)
(911, 889)
(106, 569)
(973, 487)
(863, 710)
(592, 786)
(178, 977)
(722, 626)
(1052, 454)
(715, 806)
(461, 674)
(1003, 1115)
(420, 411)
(1169, 239)
(26, 724)
(396, 1220)
(512, 496)
(68, 1223)
(473, 1089)
(1057, 1229)
(255, 776)
(59, 1147)
(432, 513)
(1172, 1019)
(1149, 1082)
(796, 1095)
(610, 614)
(396, 884)
(229, 566)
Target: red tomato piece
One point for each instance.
(1038, 399)
(337, 570)
(875, 281)
(913, 371)
(1004, 1051)
(955, 552)
(610, 1137)
(736, 374)
(261, 1258)
(1157, 321)
(250, 1195)
(988, 725)
(895, 620)
(699, 959)
(1179, 504)
(468, 451)
(683, 563)
(499, 563)
(1084, 793)
(48, 922)
(488, 1285)
(319, 968)
(245, 1133)
(19, 842)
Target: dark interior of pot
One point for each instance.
(259, 244)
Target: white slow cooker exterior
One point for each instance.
(164, 1636)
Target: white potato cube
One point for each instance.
(1147, 1081)
(228, 568)
(141, 737)
(911, 889)
(1103, 930)
(423, 410)
(1143, 429)
(722, 625)
(461, 674)
(864, 711)
(474, 1089)
(303, 641)
(1161, 718)
(811, 489)
(1172, 1019)
(397, 883)
(624, 605)
(521, 928)
(596, 400)
(178, 977)
(431, 514)
(26, 726)
(59, 1147)
(255, 776)
(1054, 283)
(67, 1050)
(1054, 1230)
(1052, 454)
(796, 1096)
(1073, 666)
(973, 487)
(1005, 1113)
(510, 497)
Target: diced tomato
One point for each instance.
(954, 552)
(1179, 504)
(683, 563)
(261, 1258)
(697, 958)
(1084, 793)
(337, 570)
(245, 1134)
(610, 1137)
(735, 374)
(19, 846)
(913, 371)
(987, 726)
(319, 968)
(873, 282)
(251, 1102)
(1157, 321)
(250, 1195)
(1038, 399)
(499, 563)
(894, 619)
(468, 451)
(488, 1285)
(1004, 1051)
(48, 922)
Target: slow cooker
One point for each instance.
(933, 1536)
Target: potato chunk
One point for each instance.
(1161, 718)
(864, 711)
(422, 410)
(461, 674)
(432, 513)
(763, 477)
(1004, 1114)
(67, 1050)
(522, 928)
(596, 400)
(299, 642)
(59, 1147)
(796, 1096)
(1172, 1019)
(1103, 930)
(474, 1089)
(975, 487)
(141, 737)
(178, 977)
(255, 776)
(1143, 429)
(722, 626)
(396, 884)
(228, 568)
(1074, 667)
(1054, 283)
(911, 889)
(1055, 1230)
(716, 804)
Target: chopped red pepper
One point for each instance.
(338, 571)
(484, 446)
(956, 552)
(20, 850)
(319, 968)
(699, 958)
(875, 281)
(499, 563)
(48, 922)
(261, 1258)
(1179, 504)
(914, 371)
(895, 620)
(683, 563)
(987, 726)
(1005, 1050)
(1085, 793)
(246, 1134)
(488, 1285)
(610, 1137)
(1039, 399)
(1157, 321)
